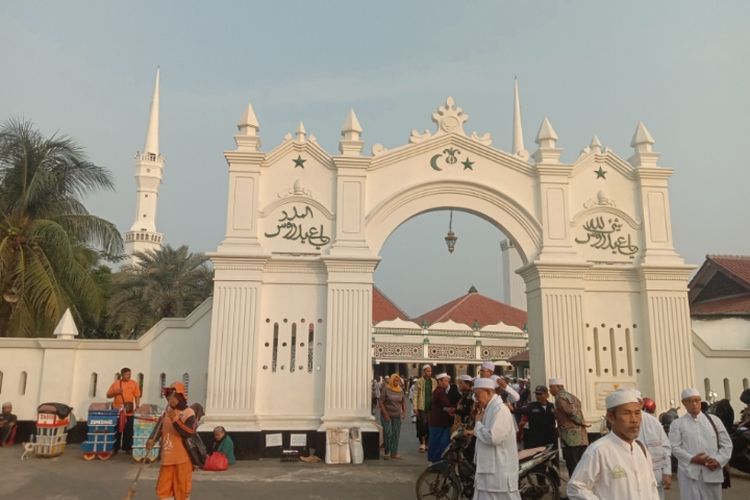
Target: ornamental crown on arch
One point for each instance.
(449, 119)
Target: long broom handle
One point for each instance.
(157, 430)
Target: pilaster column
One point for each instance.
(348, 343)
(242, 202)
(556, 326)
(668, 332)
(230, 391)
(657, 226)
(351, 186)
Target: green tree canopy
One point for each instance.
(48, 240)
(164, 283)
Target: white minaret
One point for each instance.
(148, 169)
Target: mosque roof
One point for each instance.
(475, 309)
(383, 308)
(721, 287)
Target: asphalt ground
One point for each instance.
(69, 477)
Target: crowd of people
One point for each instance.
(631, 460)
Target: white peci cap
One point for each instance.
(621, 397)
(465, 378)
(556, 381)
(426, 367)
(442, 375)
(488, 365)
(484, 383)
(689, 393)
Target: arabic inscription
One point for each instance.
(606, 234)
(296, 226)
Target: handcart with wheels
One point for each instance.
(146, 417)
(102, 427)
(51, 429)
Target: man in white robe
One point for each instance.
(617, 466)
(653, 436)
(496, 451)
(702, 447)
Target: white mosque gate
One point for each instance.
(291, 322)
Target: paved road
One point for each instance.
(68, 477)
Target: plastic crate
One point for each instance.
(103, 418)
(50, 439)
(98, 442)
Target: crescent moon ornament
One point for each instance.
(433, 162)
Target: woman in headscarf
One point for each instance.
(392, 410)
(176, 472)
(224, 444)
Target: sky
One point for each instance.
(86, 69)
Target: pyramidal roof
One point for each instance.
(474, 308)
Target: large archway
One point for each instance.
(606, 291)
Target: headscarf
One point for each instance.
(393, 383)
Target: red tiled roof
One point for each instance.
(730, 306)
(475, 307)
(738, 266)
(383, 309)
(521, 357)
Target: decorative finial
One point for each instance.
(595, 145)
(351, 143)
(450, 118)
(642, 140)
(546, 137)
(518, 148)
(301, 132)
(248, 124)
(151, 145)
(66, 328)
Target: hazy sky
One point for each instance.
(86, 69)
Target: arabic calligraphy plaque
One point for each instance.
(298, 228)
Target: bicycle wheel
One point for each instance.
(538, 486)
(438, 485)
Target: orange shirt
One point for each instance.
(130, 391)
(173, 450)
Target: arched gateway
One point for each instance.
(291, 323)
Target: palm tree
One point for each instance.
(47, 237)
(164, 283)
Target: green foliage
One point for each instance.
(165, 283)
(48, 240)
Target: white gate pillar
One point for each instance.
(348, 343)
(556, 327)
(230, 391)
(668, 332)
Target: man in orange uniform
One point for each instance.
(176, 473)
(127, 396)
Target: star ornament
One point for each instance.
(601, 173)
(299, 162)
(468, 165)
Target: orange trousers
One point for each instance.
(175, 481)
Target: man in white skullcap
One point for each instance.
(423, 403)
(441, 419)
(571, 425)
(617, 466)
(653, 436)
(487, 369)
(702, 447)
(496, 455)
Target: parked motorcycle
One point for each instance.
(453, 477)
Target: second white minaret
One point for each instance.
(149, 164)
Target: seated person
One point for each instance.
(223, 444)
(7, 423)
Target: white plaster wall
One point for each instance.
(60, 370)
(724, 333)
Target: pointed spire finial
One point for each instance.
(351, 128)
(518, 148)
(642, 140)
(595, 145)
(301, 132)
(151, 146)
(66, 328)
(248, 124)
(546, 137)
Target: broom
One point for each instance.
(131, 490)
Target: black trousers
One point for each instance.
(572, 455)
(423, 427)
(126, 436)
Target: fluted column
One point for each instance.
(348, 343)
(556, 326)
(230, 389)
(668, 331)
